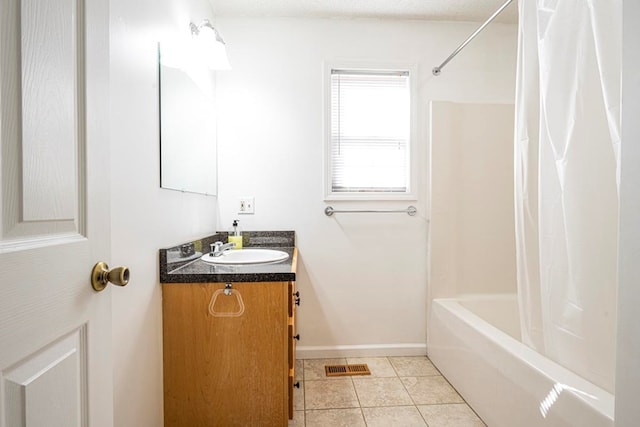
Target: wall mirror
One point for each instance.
(187, 122)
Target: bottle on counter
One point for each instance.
(236, 235)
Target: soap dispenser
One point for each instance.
(236, 236)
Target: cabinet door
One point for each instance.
(225, 371)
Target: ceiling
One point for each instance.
(435, 10)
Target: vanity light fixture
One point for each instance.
(210, 44)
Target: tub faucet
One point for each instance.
(218, 248)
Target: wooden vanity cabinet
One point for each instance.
(291, 340)
(224, 369)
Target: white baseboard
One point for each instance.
(372, 350)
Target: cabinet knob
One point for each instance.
(296, 337)
(297, 301)
(296, 294)
(297, 384)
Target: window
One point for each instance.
(369, 134)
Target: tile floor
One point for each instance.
(401, 391)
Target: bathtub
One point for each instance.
(475, 342)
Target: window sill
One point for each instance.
(355, 197)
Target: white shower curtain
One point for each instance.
(566, 186)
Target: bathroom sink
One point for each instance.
(247, 256)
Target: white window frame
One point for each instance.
(410, 193)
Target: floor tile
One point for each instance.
(379, 366)
(314, 368)
(381, 392)
(298, 419)
(400, 392)
(431, 390)
(335, 418)
(326, 394)
(458, 415)
(299, 370)
(395, 416)
(298, 397)
(413, 366)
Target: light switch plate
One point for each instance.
(245, 205)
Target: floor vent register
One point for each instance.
(343, 370)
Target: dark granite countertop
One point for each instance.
(182, 263)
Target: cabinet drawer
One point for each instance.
(292, 380)
(292, 297)
(292, 347)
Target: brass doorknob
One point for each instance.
(101, 276)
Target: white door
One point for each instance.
(55, 336)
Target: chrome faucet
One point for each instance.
(218, 248)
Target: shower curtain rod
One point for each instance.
(436, 70)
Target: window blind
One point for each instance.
(370, 130)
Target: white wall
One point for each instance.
(363, 277)
(144, 217)
(472, 210)
(628, 347)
